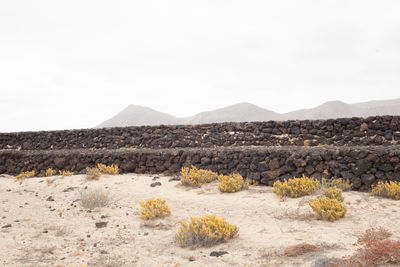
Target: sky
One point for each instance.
(74, 64)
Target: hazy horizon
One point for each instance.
(74, 64)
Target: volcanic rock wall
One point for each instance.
(363, 150)
(384, 130)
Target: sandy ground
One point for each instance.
(62, 233)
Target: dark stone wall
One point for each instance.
(363, 150)
(380, 130)
(363, 165)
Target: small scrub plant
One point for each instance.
(341, 183)
(296, 187)
(333, 193)
(93, 198)
(154, 208)
(112, 169)
(25, 175)
(374, 234)
(327, 209)
(205, 231)
(49, 181)
(374, 250)
(300, 249)
(93, 173)
(231, 183)
(196, 177)
(50, 172)
(250, 181)
(389, 189)
(65, 173)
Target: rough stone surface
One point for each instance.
(354, 148)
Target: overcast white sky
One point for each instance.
(73, 64)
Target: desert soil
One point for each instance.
(45, 225)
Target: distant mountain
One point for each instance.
(134, 115)
(234, 113)
(138, 115)
(328, 110)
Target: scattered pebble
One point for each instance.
(155, 184)
(69, 189)
(50, 198)
(101, 224)
(7, 226)
(218, 253)
(175, 178)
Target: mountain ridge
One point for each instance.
(136, 115)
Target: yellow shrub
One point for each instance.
(93, 173)
(50, 172)
(341, 183)
(49, 182)
(205, 231)
(327, 208)
(197, 177)
(251, 182)
(112, 169)
(231, 183)
(24, 175)
(334, 193)
(66, 173)
(296, 187)
(154, 208)
(389, 189)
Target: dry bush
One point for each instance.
(24, 175)
(374, 234)
(296, 187)
(64, 173)
(300, 249)
(112, 169)
(93, 198)
(197, 177)
(334, 193)
(154, 208)
(373, 253)
(205, 231)
(341, 183)
(50, 172)
(327, 209)
(389, 189)
(231, 183)
(93, 173)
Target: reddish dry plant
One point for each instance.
(373, 252)
(300, 249)
(374, 234)
(381, 251)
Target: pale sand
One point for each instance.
(267, 224)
